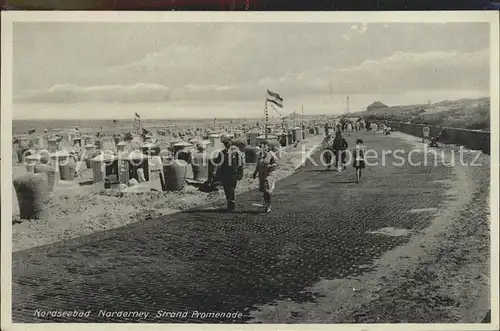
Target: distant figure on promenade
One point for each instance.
(327, 147)
(339, 127)
(228, 169)
(359, 159)
(435, 139)
(339, 147)
(77, 138)
(349, 128)
(267, 162)
(116, 139)
(385, 129)
(361, 125)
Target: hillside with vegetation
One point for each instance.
(472, 114)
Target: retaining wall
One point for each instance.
(476, 140)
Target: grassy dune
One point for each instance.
(464, 113)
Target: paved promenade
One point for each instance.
(208, 261)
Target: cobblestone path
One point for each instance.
(207, 261)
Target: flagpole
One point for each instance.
(266, 118)
(302, 115)
(140, 127)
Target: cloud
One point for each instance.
(174, 55)
(402, 72)
(68, 93)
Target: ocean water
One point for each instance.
(154, 110)
(123, 125)
(89, 117)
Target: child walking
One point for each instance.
(359, 159)
(267, 162)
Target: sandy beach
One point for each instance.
(75, 210)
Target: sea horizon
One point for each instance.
(321, 105)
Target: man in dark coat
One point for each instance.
(339, 150)
(228, 170)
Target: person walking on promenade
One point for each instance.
(339, 127)
(339, 148)
(359, 159)
(116, 139)
(327, 129)
(267, 162)
(349, 128)
(228, 170)
(327, 147)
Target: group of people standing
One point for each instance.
(347, 126)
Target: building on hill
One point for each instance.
(376, 105)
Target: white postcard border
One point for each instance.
(9, 18)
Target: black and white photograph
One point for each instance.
(335, 169)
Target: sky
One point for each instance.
(106, 70)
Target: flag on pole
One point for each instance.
(275, 98)
(137, 125)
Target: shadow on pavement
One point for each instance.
(221, 211)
